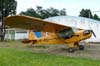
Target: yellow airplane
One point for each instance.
(68, 30)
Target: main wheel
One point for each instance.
(81, 47)
(71, 50)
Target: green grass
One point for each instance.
(17, 57)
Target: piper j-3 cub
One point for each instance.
(68, 30)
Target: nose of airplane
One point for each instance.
(86, 32)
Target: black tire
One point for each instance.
(81, 47)
(71, 50)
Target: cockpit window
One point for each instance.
(66, 33)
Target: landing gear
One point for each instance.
(71, 50)
(75, 46)
(81, 47)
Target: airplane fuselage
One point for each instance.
(64, 37)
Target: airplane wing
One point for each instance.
(78, 22)
(35, 24)
(54, 24)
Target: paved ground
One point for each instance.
(91, 50)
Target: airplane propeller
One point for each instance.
(86, 32)
(93, 33)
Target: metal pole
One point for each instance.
(95, 11)
(89, 14)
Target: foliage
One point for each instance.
(96, 17)
(43, 13)
(8, 7)
(88, 14)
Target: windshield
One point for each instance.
(66, 33)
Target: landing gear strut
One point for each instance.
(80, 47)
(73, 46)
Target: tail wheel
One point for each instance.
(71, 50)
(81, 47)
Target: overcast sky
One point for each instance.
(73, 7)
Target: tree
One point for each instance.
(86, 13)
(96, 17)
(29, 12)
(63, 11)
(43, 13)
(7, 7)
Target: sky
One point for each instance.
(73, 7)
